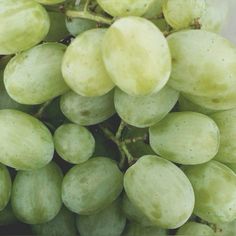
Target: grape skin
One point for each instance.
(187, 138)
(17, 18)
(74, 143)
(36, 195)
(82, 66)
(50, 2)
(136, 56)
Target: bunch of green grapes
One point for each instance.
(117, 118)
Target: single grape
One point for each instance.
(5, 183)
(83, 68)
(58, 30)
(160, 190)
(26, 143)
(203, 64)
(181, 14)
(36, 195)
(50, 2)
(44, 81)
(226, 121)
(187, 138)
(136, 56)
(215, 15)
(7, 216)
(62, 225)
(108, 222)
(87, 110)
(185, 105)
(133, 213)
(91, 186)
(147, 110)
(155, 9)
(124, 7)
(214, 186)
(23, 24)
(74, 143)
(195, 229)
(134, 229)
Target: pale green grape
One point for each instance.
(5, 183)
(136, 56)
(74, 143)
(26, 143)
(226, 121)
(50, 2)
(155, 9)
(83, 68)
(181, 14)
(23, 24)
(214, 186)
(7, 216)
(133, 213)
(58, 28)
(195, 229)
(134, 229)
(91, 186)
(215, 15)
(203, 64)
(225, 229)
(185, 105)
(145, 111)
(87, 110)
(62, 225)
(124, 7)
(34, 76)
(36, 195)
(188, 138)
(108, 222)
(216, 102)
(160, 190)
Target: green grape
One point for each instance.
(216, 102)
(87, 110)
(58, 28)
(185, 105)
(124, 7)
(215, 15)
(133, 213)
(83, 68)
(77, 26)
(155, 9)
(62, 225)
(36, 194)
(145, 111)
(44, 81)
(187, 138)
(207, 60)
(7, 216)
(74, 143)
(50, 2)
(161, 24)
(195, 229)
(26, 143)
(214, 186)
(226, 121)
(5, 183)
(225, 229)
(91, 186)
(108, 222)
(160, 190)
(23, 24)
(136, 56)
(181, 14)
(134, 229)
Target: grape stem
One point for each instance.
(40, 112)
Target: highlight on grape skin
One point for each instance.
(117, 117)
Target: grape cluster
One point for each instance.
(117, 118)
